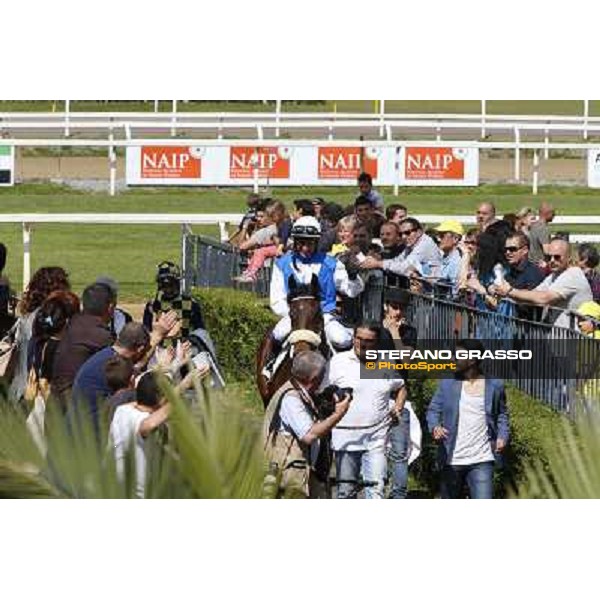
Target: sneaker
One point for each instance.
(244, 278)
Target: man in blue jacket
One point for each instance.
(468, 417)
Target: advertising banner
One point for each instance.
(300, 165)
(594, 168)
(7, 165)
(439, 166)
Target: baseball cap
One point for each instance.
(589, 309)
(451, 227)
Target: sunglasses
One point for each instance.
(408, 231)
(512, 248)
(470, 243)
(556, 257)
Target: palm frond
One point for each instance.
(573, 465)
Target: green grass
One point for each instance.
(130, 253)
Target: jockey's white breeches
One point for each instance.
(336, 333)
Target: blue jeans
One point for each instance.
(398, 455)
(371, 464)
(479, 478)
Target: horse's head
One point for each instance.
(304, 301)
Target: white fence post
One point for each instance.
(26, 255)
(546, 142)
(586, 115)
(536, 168)
(483, 119)
(517, 155)
(381, 117)
(156, 106)
(67, 119)
(438, 131)
(397, 171)
(277, 116)
(112, 162)
(174, 118)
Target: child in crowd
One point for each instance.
(268, 242)
(133, 422)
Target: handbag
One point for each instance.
(9, 351)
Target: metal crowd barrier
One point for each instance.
(208, 263)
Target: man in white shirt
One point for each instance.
(566, 287)
(420, 257)
(360, 437)
(301, 263)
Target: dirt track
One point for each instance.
(492, 170)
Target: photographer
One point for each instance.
(297, 424)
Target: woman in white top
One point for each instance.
(468, 417)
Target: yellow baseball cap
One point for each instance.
(589, 309)
(451, 226)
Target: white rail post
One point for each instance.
(330, 136)
(67, 119)
(586, 115)
(397, 171)
(438, 133)
(483, 119)
(174, 118)
(536, 168)
(381, 117)
(517, 155)
(26, 254)
(546, 142)
(112, 161)
(254, 161)
(156, 106)
(223, 231)
(277, 116)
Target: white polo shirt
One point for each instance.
(369, 410)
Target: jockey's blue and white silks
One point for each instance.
(331, 273)
(332, 276)
(325, 275)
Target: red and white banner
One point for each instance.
(439, 166)
(300, 165)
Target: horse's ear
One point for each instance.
(314, 286)
(292, 283)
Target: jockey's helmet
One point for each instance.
(306, 228)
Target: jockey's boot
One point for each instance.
(271, 352)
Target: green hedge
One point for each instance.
(237, 322)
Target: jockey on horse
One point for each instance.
(301, 263)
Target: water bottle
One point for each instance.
(498, 274)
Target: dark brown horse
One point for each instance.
(306, 317)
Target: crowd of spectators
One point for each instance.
(513, 265)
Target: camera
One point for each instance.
(325, 401)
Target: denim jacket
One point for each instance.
(443, 410)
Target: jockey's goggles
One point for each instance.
(305, 231)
